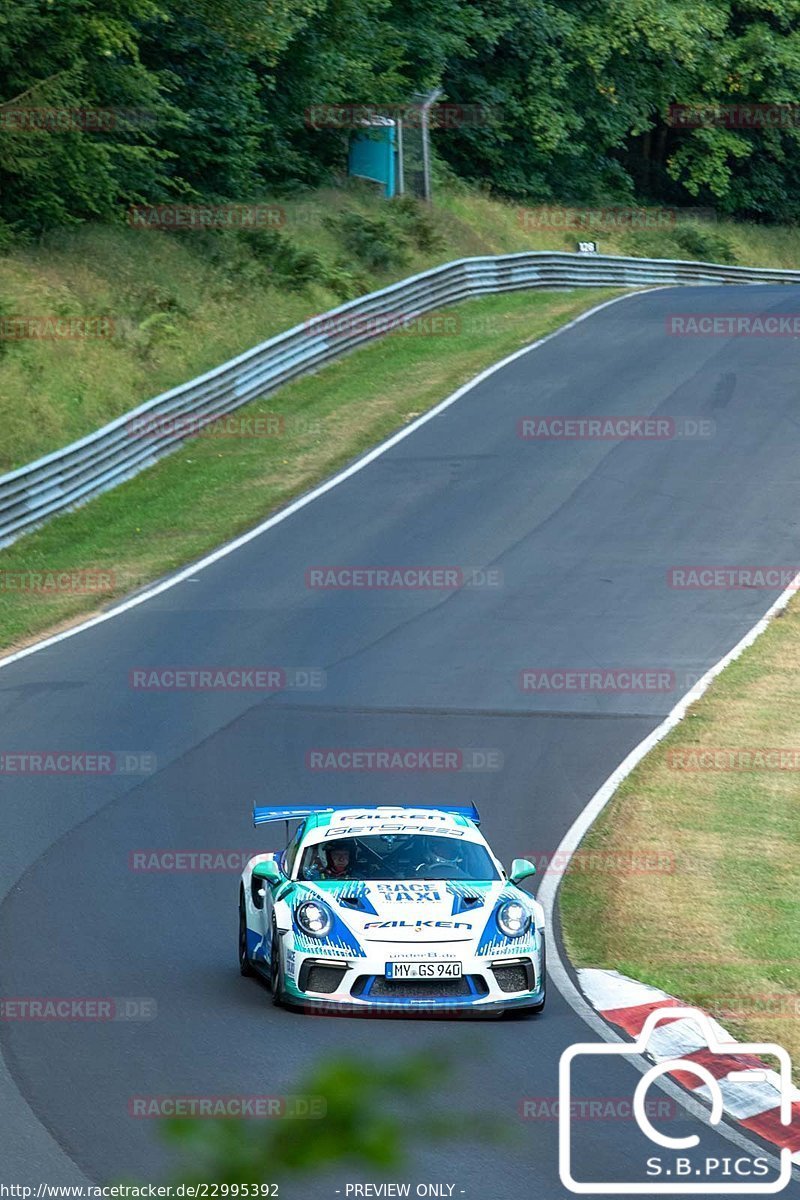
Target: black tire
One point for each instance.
(537, 1008)
(276, 969)
(245, 966)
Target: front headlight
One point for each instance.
(314, 918)
(512, 919)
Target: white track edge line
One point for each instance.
(320, 490)
(547, 894)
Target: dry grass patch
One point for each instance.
(722, 928)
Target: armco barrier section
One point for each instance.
(107, 457)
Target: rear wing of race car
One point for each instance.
(286, 812)
(298, 812)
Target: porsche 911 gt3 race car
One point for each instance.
(390, 909)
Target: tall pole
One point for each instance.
(426, 151)
(401, 178)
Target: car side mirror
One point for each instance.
(521, 868)
(269, 871)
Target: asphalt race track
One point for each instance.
(583, 533)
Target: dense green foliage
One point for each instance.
(211, 96)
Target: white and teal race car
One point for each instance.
(381, 910)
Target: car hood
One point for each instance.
(416, 912)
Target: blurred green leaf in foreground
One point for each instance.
(374, 1113)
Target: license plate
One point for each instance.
(423, 970)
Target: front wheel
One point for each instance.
(537, 1008)
(276, 969)
(245, 966)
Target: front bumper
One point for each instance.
(488, 985)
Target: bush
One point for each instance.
(154, 297)
(416, 218)
(681, 241)
(8, 237)
(288, 265)
(344, 282)
(375, 242)
(705, 243)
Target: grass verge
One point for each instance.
(720, 926)
(213, 488)
(181, 303)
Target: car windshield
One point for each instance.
(397, 856)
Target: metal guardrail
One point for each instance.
(107, 457)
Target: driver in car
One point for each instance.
(336, 863)
(435, 860)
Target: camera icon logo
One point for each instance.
(781, 1080)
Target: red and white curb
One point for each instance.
(755, 1105)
